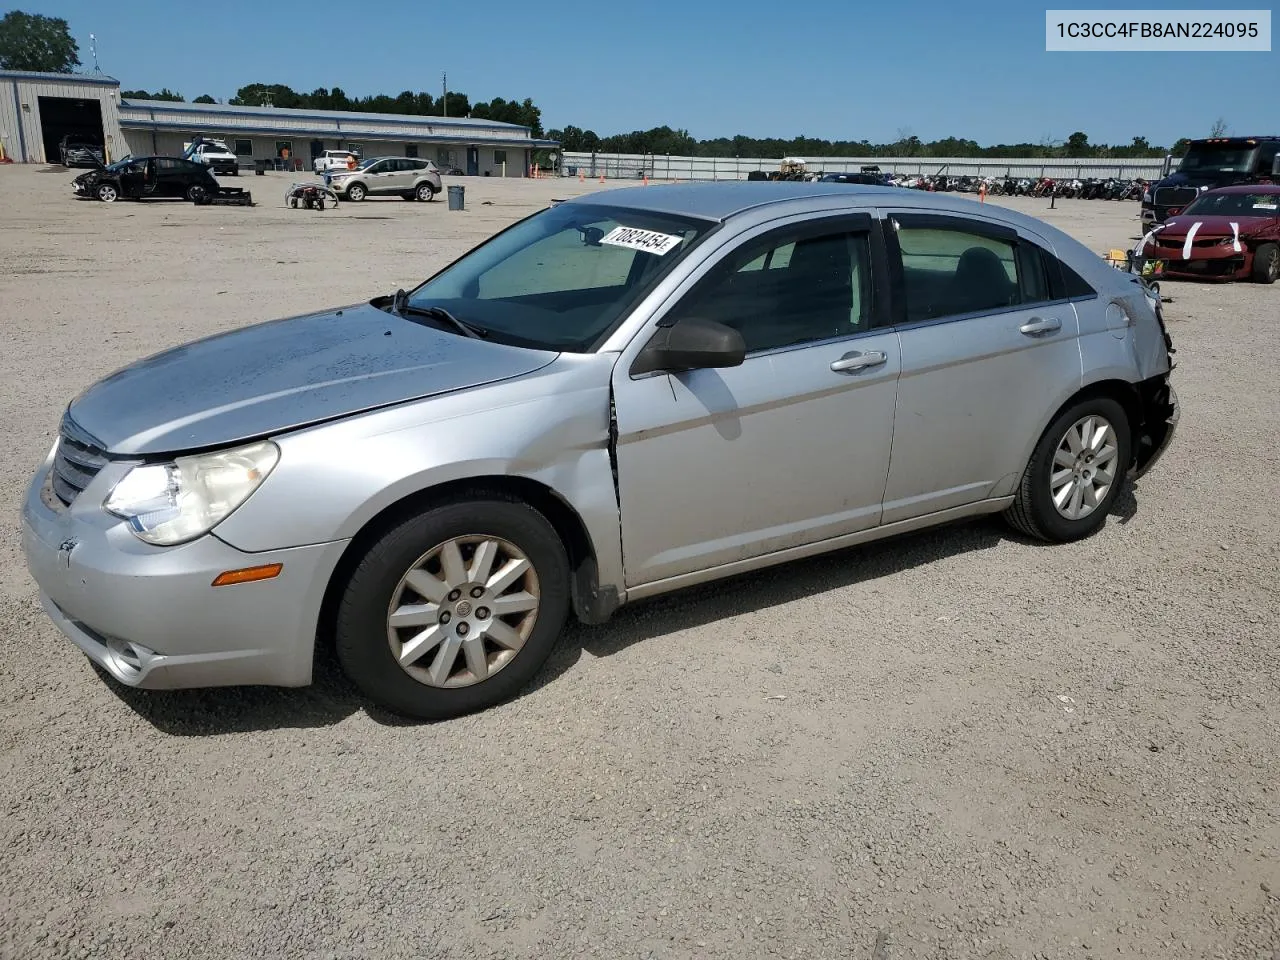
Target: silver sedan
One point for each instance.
(619, 396)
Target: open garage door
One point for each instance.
(81, 120)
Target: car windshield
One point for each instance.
(1218, 158)
(121, 164)
(1235, 205)
(560, 279)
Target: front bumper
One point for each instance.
(1219, 262)
(150, 615)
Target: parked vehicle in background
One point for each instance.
(80, 151)
(334, 160)
(215, 155)
(135, 178)
(1232, 233)
(437, 479)
(407, 177)
(1208, 164)
(868, 179)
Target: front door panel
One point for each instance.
(789, 447)
(722, 465)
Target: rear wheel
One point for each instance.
(196, 193)
(454, 610)
(425, 192)
(1075, 473)
(1266, 263)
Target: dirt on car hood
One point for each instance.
(285, 374)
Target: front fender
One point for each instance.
(551, 427)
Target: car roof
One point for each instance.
(721, 201)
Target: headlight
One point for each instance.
(170, 503)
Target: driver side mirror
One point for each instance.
(691, 344)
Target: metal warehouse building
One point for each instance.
(37, 110)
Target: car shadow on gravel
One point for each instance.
(215, 711)
(708, 603)
(332, 698)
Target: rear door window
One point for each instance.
(947, 272)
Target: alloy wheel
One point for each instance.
(463, 611)
(1084, 467)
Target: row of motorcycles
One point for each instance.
(1092, 188)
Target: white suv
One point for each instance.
(407, 177)
(333, 160)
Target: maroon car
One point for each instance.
(1232, 233)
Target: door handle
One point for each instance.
(858, 360)
(1038, 325)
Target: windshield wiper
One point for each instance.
(400, 304)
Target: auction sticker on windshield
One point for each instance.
(650, 241)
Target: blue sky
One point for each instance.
(760, 67)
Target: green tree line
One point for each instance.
(522, 112)
(664, 140)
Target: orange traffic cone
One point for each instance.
(982, 193)
(602, 178)
(646, 179)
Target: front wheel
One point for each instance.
(108, 193)
(1075, 473)
(356, 192)
(454, 610)
(425, 192)
(1266, 263)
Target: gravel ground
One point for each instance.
(959, 744)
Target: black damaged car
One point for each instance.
(134, 178)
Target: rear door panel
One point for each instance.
(976, 386)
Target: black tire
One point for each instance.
(1266, 263)
(361, 632)
(196, 193)
(108, 192)
(356, 192)
(425, 193)
(1033, 512)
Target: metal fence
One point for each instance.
(622, 166)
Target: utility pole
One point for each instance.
(444, 93)
(93, 48)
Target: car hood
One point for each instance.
(285, 374)
(1213, 226)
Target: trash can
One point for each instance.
(260, 167)
(456, 196)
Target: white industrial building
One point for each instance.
(38, 109)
